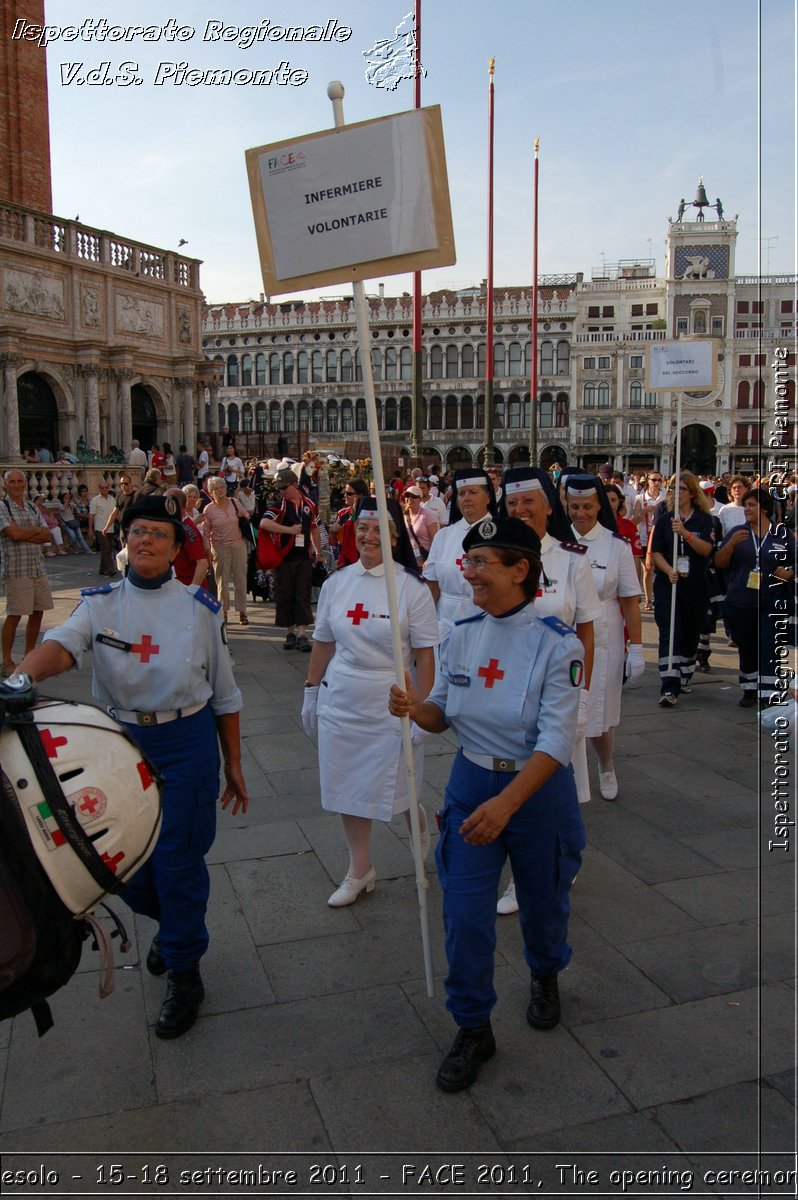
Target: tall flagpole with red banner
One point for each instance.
(417, 417)
(489, 415)
(533, 374)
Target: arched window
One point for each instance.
(436, 362)
(452, 369)
(332, 366)
(391, 361)
(589, 396)
(758, 397)
(563, 357)
(528, 360)
(514, 411)
(288, 367)
(247, 418)
(499, 360)
(405, 413)
(260, 370)
(546, 412)
(347, 369)
(515, 361)
(481, 360)
(635, 395)
(289, 417)
(232, 370)
(260, 417)
(360, 416)
(391, 414)
(467, 412)
(603, 395)
(468, 363)
(561, 411)
(246, 371)
(275, 417)
(317, 417)
(317, 367)
(376, 362)
(406, 363)
(743, 393)
(480, 421)
(436, 413)
(332, 416)
(232, 418)
(274, 368)
(450, 413)
(546, 358)
(358, 368)
(304, 414)
(498, 410)
(347, 417)
(302, 365)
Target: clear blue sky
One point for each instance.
(632, 100)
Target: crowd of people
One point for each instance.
(519, 619)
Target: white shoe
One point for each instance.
(507, 902)
(351, 888)
(608, 785)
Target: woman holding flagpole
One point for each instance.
(473, 499)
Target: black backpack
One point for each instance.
(40, 939)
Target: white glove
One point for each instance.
(635, 663)
(309, 702)
(584, 707)
(418, 735)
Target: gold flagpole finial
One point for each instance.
(537, 145)
(491, 66)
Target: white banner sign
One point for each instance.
(347, 203)
(683, 366)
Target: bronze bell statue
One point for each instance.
(701, 195)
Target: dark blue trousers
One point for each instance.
(544, 841)
(173, 885)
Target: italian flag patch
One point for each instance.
(47, 825)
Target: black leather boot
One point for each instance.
(184, 994)
(155, 960)
(544, 1002)
(471, 1047)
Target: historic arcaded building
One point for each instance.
(295, 366)
(99, 335)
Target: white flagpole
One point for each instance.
(677, 467)
(335, 91)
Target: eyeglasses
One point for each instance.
(157, 535)
(478, 563)
(349, 492)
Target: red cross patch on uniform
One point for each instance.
(357, 614)
(491, 672)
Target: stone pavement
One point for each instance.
(317, 1035)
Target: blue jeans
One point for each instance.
(544, 840)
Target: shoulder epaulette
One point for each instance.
(619, 536)
(574, 547)
(558, 625)
(480, 616)
(207, 599)
(97, 591)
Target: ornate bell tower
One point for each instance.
(24, 118)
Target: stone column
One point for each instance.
(92, 408)
(214, 408)
(189, 424)
(113, 408)
(11, 405)
(125, 410)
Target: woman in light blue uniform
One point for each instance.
(509, 685)
(161, 668)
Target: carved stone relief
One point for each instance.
(34, 293)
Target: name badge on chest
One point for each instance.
(460, 680)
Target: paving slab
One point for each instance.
(265, 840)
(731, 1037)
(723, 897)
(619, 905)
(745, 1116)
(703, 962)
(285, 899)
(390, 856)
(631, 841)
(284, 1115)
(258, 1047)
(377, 1109)
(48, 1076)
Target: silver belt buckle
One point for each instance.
(146, 719)
(503, 764)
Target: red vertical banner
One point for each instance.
(489, 415)
(418, 411)
(533, 374)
